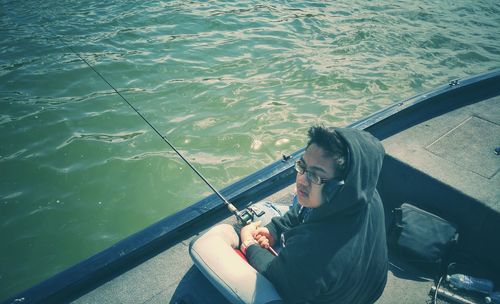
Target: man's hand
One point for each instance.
(253, 234)
(253, 231)
(246, 233)
(263, 237)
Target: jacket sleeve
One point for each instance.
(296, 278)
(259, 257)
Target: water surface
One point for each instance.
(232, 85)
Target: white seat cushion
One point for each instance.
(213, 253)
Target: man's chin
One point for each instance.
(304, 202)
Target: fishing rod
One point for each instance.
(244, 217)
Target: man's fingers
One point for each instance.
(261, 238)
(256, 233)
(263, 241)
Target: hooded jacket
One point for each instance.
(338, 253)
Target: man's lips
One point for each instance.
(302, 192)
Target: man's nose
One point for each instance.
(302, 179)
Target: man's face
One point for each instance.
(309, 194)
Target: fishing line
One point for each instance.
(244, 217)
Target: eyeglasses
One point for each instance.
(301, 168)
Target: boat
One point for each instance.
(442, 154)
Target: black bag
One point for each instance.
(421, 237)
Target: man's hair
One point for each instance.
(333, 145)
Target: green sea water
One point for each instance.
(232, 84)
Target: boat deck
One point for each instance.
(455, 151)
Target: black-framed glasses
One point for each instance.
(301, 168)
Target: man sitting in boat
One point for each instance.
(333, 246)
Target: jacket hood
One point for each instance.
(364, 162)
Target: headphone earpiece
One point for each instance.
(331, 188)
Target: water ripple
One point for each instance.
(108, 138)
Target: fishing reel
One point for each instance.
(245, 216)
